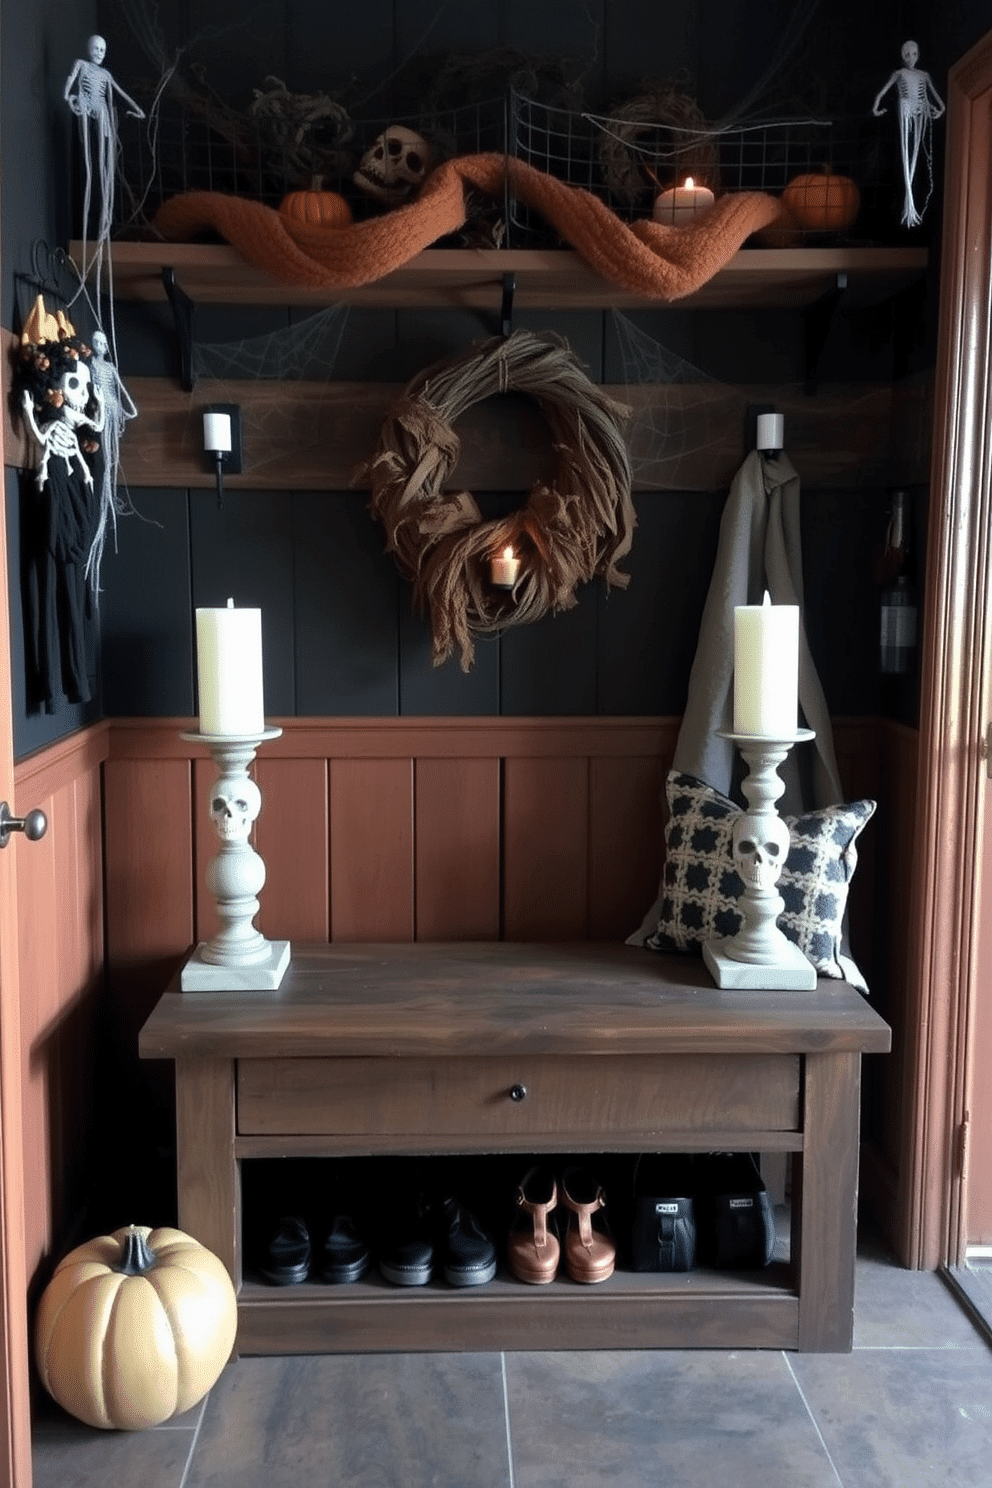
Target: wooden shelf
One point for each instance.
(556, 280)
(695, 1309)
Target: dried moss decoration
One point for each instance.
(656, 139)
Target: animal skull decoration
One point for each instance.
(234, 806)
(395, 166)
(760, 847)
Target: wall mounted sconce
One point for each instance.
(222, 442)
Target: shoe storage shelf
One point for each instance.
(502, 1048)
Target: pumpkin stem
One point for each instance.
(136, 1256)
(316, 183)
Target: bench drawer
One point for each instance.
(584, 1094)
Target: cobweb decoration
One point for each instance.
(685, 427)
(277, 428)
(690, 432)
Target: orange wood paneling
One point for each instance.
(292, 837)
(205, 921)
(411, 738)
(457, 851)
(545, 849)
(371, 834)
(38, 941)
(149, 858)
(625, 842)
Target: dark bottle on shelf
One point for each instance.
(897, 605)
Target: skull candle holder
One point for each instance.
(238, 958)
(760, 955)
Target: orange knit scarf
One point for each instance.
(646, 257)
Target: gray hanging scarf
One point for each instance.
(759, 548)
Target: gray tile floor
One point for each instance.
(910, 1407)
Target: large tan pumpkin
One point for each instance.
(135, 1327)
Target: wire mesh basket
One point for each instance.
(203, 145)
(626, 162)
(199, 143)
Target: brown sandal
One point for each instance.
(590, 1250)
(532, 1249)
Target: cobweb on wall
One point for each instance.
(276, 428)
(690, 432)
(685, 428)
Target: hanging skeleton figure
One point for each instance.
(919, 105)
(63, 411)
(93, 103)
(118, 408)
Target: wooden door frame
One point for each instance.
(15, 1400)
(15, 1411)
(957, 633)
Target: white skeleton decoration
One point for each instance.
(919, 104)
(760, 845)
(119, 408)
(60, 435)
(234, 806)
(395, 167)
(93, 100)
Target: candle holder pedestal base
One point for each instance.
(201, 975)
(759, 955)
(791, 972)
(238, 958)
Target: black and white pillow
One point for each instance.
(700, 886)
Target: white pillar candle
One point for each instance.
(766, 669)
(682, 203)
(504, 570)
(229, 669)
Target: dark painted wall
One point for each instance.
(40, 43)
(339, 634)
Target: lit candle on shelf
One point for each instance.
(504, 570)
(766, 669)
(682, 203)
(229, 669)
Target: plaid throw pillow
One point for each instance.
(700, 887)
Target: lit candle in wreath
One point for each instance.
(504, 570)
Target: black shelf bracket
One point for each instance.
(506, 308)
(819, 318)
(182, 313)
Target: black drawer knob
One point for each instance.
(518, 1092)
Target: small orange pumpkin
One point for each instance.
(823, 202)
(316, 207)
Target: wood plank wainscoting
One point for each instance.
(372, 829)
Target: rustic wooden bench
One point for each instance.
(493, 1047)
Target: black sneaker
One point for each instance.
(346, 1257)
(663, 1231)
(286, 1260)
(740, 1218)
(467, 1253)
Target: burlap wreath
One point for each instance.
(569, 530)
